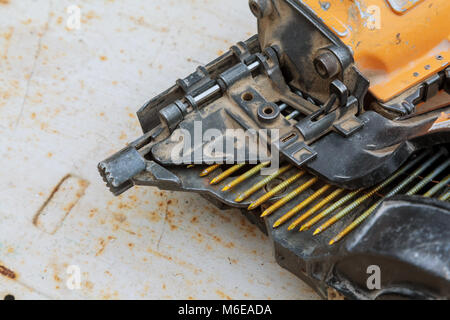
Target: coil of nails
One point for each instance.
(430, 167)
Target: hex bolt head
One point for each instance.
(327, 65)
(260, 8)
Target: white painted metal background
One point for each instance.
(67, 100)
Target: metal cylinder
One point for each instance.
(260, 8)
(327, 65)
(173, 114)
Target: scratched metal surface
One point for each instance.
(68, 99)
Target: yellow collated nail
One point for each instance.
(330, 209)
(398, 188)
(276, 190)
(314, 209)
(226, 173)
(245, 176)
(355, 204)
(288, 197)
(261, 184)
(301, 206)
(210, 169)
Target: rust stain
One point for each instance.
(89, 285)
(83, 184)
(92, 212)
(230, 245)
(102, 247)
(7, 36)
(56, 278)
(103, 243)
(223, 295)
(179, 262)
(7, 273)
(119, 217)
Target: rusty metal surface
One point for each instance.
(67, 98)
